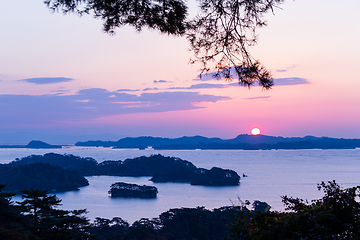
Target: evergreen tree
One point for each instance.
(51, 223)
(219, 35)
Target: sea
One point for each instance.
(269, 174)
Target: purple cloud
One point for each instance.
(60, 91)
(290, 81)
(206, 86)
(277, 82)
(160, 81)
(91, 104)
(149, 89)
(253, 98)
(286, 69)
(127, 90)
(46, 80)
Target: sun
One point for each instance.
(255, 131)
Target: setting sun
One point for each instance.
(255, 131)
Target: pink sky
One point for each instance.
(138, 84)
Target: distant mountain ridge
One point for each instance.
(243, 141)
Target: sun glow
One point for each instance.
(255, 131)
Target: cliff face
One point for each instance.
(121, 189)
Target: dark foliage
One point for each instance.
(219, 35)
(197, 223)
(49, 222)
(36, 218)
(104, 229)
(83, 166)
(145, 229)
(260, 206)
(40, 176)
(182, 223)
(222, 33)
(13, 225)
(166, 16)
(335, 216)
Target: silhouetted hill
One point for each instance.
(244, 141)
(40, 144)
(32, 144)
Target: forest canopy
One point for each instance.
(219, 35)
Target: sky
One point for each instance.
(61, 74)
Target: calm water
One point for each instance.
(271, 174)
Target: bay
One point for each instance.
(271, 174)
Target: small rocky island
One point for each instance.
(121, 189)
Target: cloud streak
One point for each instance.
(46, 80)
(203, 86)
(277, 82)
(290, 81)
(255, 98)
(160, 81)
(127, 90)
(286, 68)
(93, 103)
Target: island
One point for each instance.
(158, 167)
(122, 189)
(35, 144)
(41, 176)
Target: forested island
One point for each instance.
(40, 176)
(244, 142)
(66, 172)
(121, 189)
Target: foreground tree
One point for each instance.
(13, 225)
(219, 35)
(335, 216)
(51, 223)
